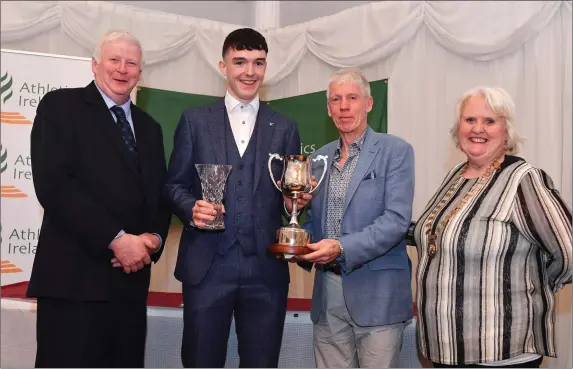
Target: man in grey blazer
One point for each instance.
(358, 218)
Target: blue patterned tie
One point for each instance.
(126, 132)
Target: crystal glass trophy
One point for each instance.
(213, 180)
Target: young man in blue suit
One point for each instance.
(229, 273)
(358, 218)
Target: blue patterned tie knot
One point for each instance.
(126, 132)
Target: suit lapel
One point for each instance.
(265, 129)
(149, 149)
(216, 125)
(367, 155)
(144, 142)
(102, 116)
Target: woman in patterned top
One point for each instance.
(494, 246)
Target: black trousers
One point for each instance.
(528, 364)
(90, 334)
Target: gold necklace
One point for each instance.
(433, 236)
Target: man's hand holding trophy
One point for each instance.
(302, 200)
(296, 184)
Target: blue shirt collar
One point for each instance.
(109, 102)
(354, 148)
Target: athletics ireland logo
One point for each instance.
(3, 161)
(6, 87)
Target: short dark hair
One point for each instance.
(245, 39)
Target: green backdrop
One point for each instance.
(309, 110)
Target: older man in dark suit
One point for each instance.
(229, 273)
(99, 171)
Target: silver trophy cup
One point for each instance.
(296, 180)
(213, 180)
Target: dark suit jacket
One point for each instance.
(90, 190)
(200, 139)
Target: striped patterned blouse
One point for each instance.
(488, 293)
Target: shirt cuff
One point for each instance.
(160, 242)
(121, 233)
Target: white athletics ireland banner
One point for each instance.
(25, 79)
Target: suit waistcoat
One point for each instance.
(239, 196)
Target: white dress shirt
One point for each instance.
(242, 118)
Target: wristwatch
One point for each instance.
(341, 250)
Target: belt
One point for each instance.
(331, 267)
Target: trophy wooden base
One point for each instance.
(289, 250)
(291, 241)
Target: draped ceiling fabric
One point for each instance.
(431, 52)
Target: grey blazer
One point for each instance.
(377, 212)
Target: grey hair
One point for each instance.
(501, 103)
(350, 75)
(112, 36)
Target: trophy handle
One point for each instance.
(323, 158)
(271, 157)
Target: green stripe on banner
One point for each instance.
(309, 110)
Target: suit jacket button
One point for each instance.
(359, 266)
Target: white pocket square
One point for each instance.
(370, 175)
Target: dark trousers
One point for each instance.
(90, 334)
(233, 285)
(528, 364)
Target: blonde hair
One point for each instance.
(501, 103)
(352, 75)
(112, 36)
